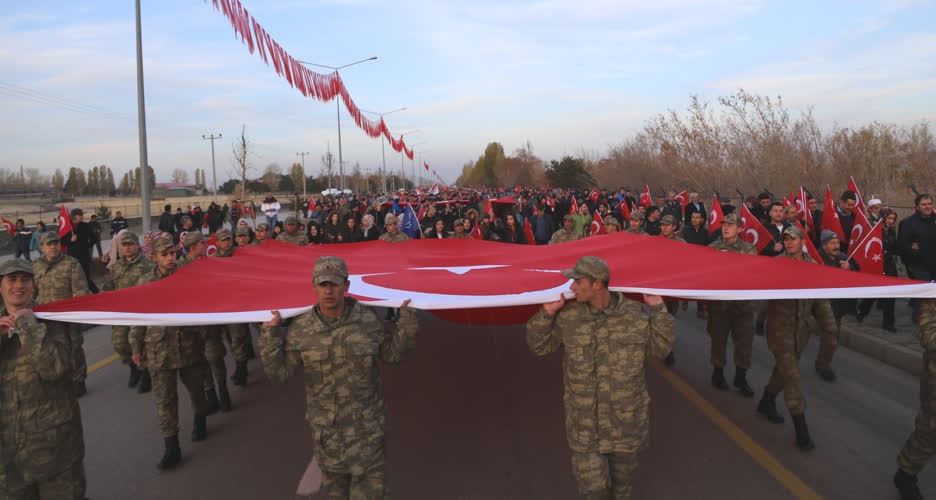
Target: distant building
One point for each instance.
(176, 190)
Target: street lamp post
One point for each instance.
(383, 155)
(403, 157)
(338, 108)
(214, 174)
(303, 155)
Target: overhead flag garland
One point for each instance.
(313, 85)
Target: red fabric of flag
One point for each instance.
(597, 225)
(830, 216)
(9, 226)
(715, 216)
(65, 224)
(869, 253)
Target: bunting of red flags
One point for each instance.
(311, 84)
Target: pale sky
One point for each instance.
(567, 76)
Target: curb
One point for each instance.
(899, 357)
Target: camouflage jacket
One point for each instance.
(60, 279)
(167, 347)
(606, 400)
(739, 246)
(562, 236)
(926, 331)
(338, 357)
(223, 254)
(296, 238)
(184, 261)
(40, 421)
(395, 237)
(461, 236)
(124, 273)
(788, 319)
(638, 231)
(675, 237)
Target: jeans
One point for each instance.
(918, 272)
(271, 221)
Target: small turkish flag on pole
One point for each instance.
(853, 186)
(528, 230)
(624, 208)
(860, 230)
(9, 226)
(810, 248)
(646, 199)
(593, 196)
(683, 199)
(830, 216)
(869, 254)
(574, 208)
(752, 231)
(489, 209)
(476, 232)
(65, 224)
(715, 216)
(597, 225)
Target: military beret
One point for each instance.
(129, 237)
(263, 226)
(49, 237)
(793, 232)
(668, 219)
(589, 267)
(191, 238)
(329, 270)
(15, 266)
(730, 219)
(242, 231)
(163, 242)
(292, 220)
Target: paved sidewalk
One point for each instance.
(901, 349)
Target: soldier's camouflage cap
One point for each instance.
(668, 219)
(191, 238)
(390, 219)
(635, 215)
(329, 270)
(793, 232)
(459, 222)
(730, 219)
(292, 220)
(263, 226)
(611, 221)
(15, 266)
(223, 234)
(129, 237)
(589, 267)
(164, 242)
(242, 231)
(567, 217)
(49, 237)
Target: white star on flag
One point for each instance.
(876, 257)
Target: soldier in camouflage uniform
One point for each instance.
(262, 234)
(41, 437)
(734, 317)
(215, 351)
(921, 445)
(567, 233)
(636, 223)
(607, 339)
(59, 276)
(238, 333)
(291, 235)
(125, 273)
(668, 228)
(787, 336)
(611, 225)
(460, 232)
(337, 345)
(170, 352)
(393, 233)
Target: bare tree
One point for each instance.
(328, 166)
(242, 154)
(297, 176)
(271, 176)
(179, 175)
(58, 180)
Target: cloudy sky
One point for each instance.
(567, 76)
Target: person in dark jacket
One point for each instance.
(23, 237)
(833, 257)
(889, 243)
(542, 226)
(167, 223)
(775, 226)
(437, 231)
(512, 232)
(78, 243)
(213, 218)
(369, 230)
(695, 231)
(350, 233)
(916, 242)
(694, 206)
(118, 224)
(95, 236)
(652, 222)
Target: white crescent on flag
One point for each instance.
(466, 280)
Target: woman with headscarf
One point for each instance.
(243, 224)
(369, 230)
(315, 234)
(889, 243)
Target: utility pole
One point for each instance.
(214, 174)
(141, 126)
(303, 155)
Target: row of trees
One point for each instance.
(743, 142)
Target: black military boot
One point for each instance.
(173, 454)
(213, 405)
(906, 484)
(80, 389)
(740, 381)
(803, 440)
(146, 383)
(718, 378)
(768, 408)
(134, 376)
(224, 398)
(240, 374)
(199, 428)
(250, 350)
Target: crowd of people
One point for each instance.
(337, 344)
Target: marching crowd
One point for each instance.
(336, 345)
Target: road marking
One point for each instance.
(760, 455)
(102, 363)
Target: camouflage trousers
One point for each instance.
(79, 362)
(120, 339)
(69, 484)
(921, 445)
(735, 319)
(828, 342)
(214, 353)
(239, 337)
(344, 486)
(165, 387)
(604, 476)
(787, 348)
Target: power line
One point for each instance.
(24, 93)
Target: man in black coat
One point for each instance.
(916, 242)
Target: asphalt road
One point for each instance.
(472, 415)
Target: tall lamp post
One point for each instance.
(403, 157)
(303, 155)
(214, 174)
(338, 108)
(383, 155)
